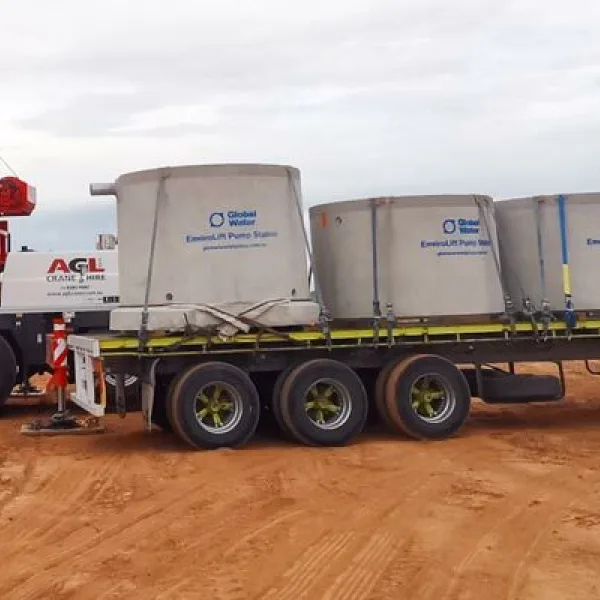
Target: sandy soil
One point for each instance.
(509, 510)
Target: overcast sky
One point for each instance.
(365, 97)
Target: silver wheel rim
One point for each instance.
(432, 398)
(328, 404)
(218, 407)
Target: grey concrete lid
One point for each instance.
(577, 198)
(219, 170)
(414, 200)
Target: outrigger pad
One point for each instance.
(28, 391)
(63, 424)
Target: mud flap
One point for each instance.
(148, 386)
(120, 400)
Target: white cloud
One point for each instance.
(171, 116)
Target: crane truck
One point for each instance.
(36, 287)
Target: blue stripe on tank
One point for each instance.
(562, 216)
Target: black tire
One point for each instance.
(285, 430)
(8, 371)
(240, 392)
(380, 387)
(347, 389)
(170, 410)
(450, 393)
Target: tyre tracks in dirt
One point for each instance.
(241, 559)
(14, 478)
(484, 545)
(151, 523)
(340, 538)
(55, 504)
(344, 558)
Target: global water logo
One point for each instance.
(461, 226)
(216, 219)
(233, 218)
(233, 229)
(461, 237)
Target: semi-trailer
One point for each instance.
(410, 315)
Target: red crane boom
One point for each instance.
(17, 199)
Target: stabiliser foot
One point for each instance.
(27, 391)
(63, 423)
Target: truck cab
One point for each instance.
(35, 287)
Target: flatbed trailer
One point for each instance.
(321, 383)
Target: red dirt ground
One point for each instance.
(508, 510)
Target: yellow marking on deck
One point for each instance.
(337, 335)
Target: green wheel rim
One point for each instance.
(327, 403)
(432, 398)
(219, 407)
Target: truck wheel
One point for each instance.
(324, 403)
(8, 371)
(427, 397)
(213, 405)
(276, 404)
(380, 384)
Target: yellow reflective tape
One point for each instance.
(566, 273)
(338, 335)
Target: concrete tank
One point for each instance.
(540, 234)
(433, 256)
(227, 236)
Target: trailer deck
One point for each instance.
(115, 345)
(163, 361)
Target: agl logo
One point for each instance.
(80, 266)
